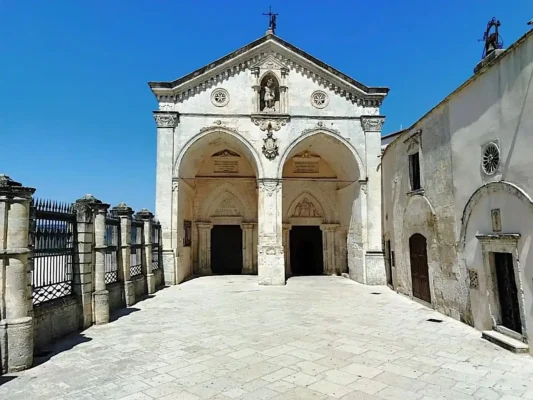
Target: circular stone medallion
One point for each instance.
(220, 97)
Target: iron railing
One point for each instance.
(136, 248)
(156, 246)
(112, 234)
(51, 237)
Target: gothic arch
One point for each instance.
(215, 197)
(419, 217)
(306, 195)
(327, 132)
(252, 153)
(491, 187)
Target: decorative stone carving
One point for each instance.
(320, 127)
(372, 123)
(269, 94)
(166, 119)
(220, 97)
(490, 158)
(274, 123)
(270, 146)
(269, 187)
(227, 208)
(305, 208)
(496, 220)
(319, 99)
(473, 278)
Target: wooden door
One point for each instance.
(419, 267)
(507, 292)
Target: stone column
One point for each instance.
(357, 236)
(101, 294)
(82, 267)
(147, 218)
(167, 122)
(328, 243)
(247, 248)
(271, 261)
(124, 212)
(204, 247)
(16, 323)
(340, 250)
(374, 259)
(287, 249)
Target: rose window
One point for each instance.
(491, 159)
(220, 97)
(319, 99)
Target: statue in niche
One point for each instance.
(269, 94)
(305, 209)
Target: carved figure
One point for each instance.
(269, 95)
(305, 209)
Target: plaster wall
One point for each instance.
(429, 212)
(495, 105)
(516, 217)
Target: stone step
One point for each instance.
(506, 342)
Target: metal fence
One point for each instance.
(156, 246)
(136, 248)
(112, 232)
(52, 233)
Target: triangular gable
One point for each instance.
(267, 49)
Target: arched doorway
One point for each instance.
(419, 267)
(321, 188)
(217, 185)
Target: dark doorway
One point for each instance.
(507, 292)
(226, 249)
(419, 267)
(306, 250)
(388, 262)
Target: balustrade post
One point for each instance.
(16, 323)
(147, 218)
(124, 212)
(101, 294)
(82, 268)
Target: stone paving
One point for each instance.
(316, 338)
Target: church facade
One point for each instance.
(268, 164)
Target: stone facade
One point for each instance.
(268, 138)
(473, 204)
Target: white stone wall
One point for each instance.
(334, 132)
(458, 196)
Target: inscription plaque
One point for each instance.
(306, 163)
(226, 166)
(226, 161)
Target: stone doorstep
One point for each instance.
(505, 342)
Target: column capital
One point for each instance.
(204, 225)
(372, 123)
(329, 227)
(122, 210)
(166, 119)
(269, 186)
(11, 188)
(144, 215)
(247, 225)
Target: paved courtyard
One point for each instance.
(316, 338)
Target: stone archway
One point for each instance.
(322, 175)
(218, 169)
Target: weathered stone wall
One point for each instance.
(429, 212)
(139, 283)
(116, 296)
(54, 320)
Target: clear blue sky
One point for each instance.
(74, 99)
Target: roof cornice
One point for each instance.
(269, 45)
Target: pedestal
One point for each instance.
(101, 307)
(271, 265)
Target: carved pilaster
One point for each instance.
(372, 123)
(166, 119)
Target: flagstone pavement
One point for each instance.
(225, 337)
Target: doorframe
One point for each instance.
(430, 277)
(487, 282)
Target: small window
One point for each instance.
(414, 171)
